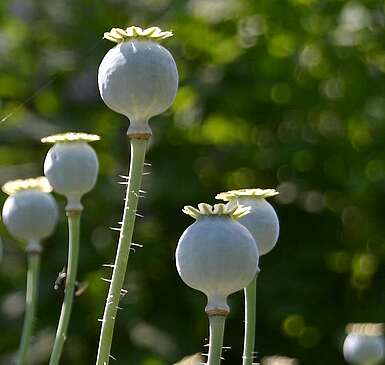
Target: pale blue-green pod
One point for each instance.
(365, 345)
(30, 215)
(71, 166)
(138, 78)
(262, 221)
(216, 255)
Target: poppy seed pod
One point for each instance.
(30, 213)
(138, 77)
(71, 166)
(262, 221)
(216, 254)
(364, 344)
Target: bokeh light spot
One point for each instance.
(303, 160)
(293, 325)
(282, 45)
(338, 261)
(375, 170)
(281, 93)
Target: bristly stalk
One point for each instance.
(72, 268)
(138, 151)
(217, 329)
(250, 314)
(31, 305)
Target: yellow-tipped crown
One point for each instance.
(278, 360)
(71, 137)
(119, 35)
(40, 184)
(368, 329)
(245, 193)
(196, 359)
(204, 209)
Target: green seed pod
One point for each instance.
(364, 344)
(216, 254)
(30, 213)
(262, 221)
(71, 166)
(138, 77)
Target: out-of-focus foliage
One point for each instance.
(287, 94)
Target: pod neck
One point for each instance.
(34, 247)
(217, 306)
(74, 203)
(139, 129)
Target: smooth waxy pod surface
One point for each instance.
(71, 165)
(262, 221)
(364, 344)
(138, 77)
(30, 213)
(216, 254)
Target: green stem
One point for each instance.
(31, 305)
(138, 152)
(250, 312)
(217, 329)
(72, 268)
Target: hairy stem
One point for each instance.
(72, 268)
(31, 305)
(138, 151)
(250, 311)
(217, 329)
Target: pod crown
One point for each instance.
(204, 209)
(252, 193)
(369, 329)
(119, 35)
(40, 184)
(278, 360)
(70, 137)
(191, 360)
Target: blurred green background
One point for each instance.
(273, 93)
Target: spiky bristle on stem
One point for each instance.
(138, 151)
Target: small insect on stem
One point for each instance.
(60, 282)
